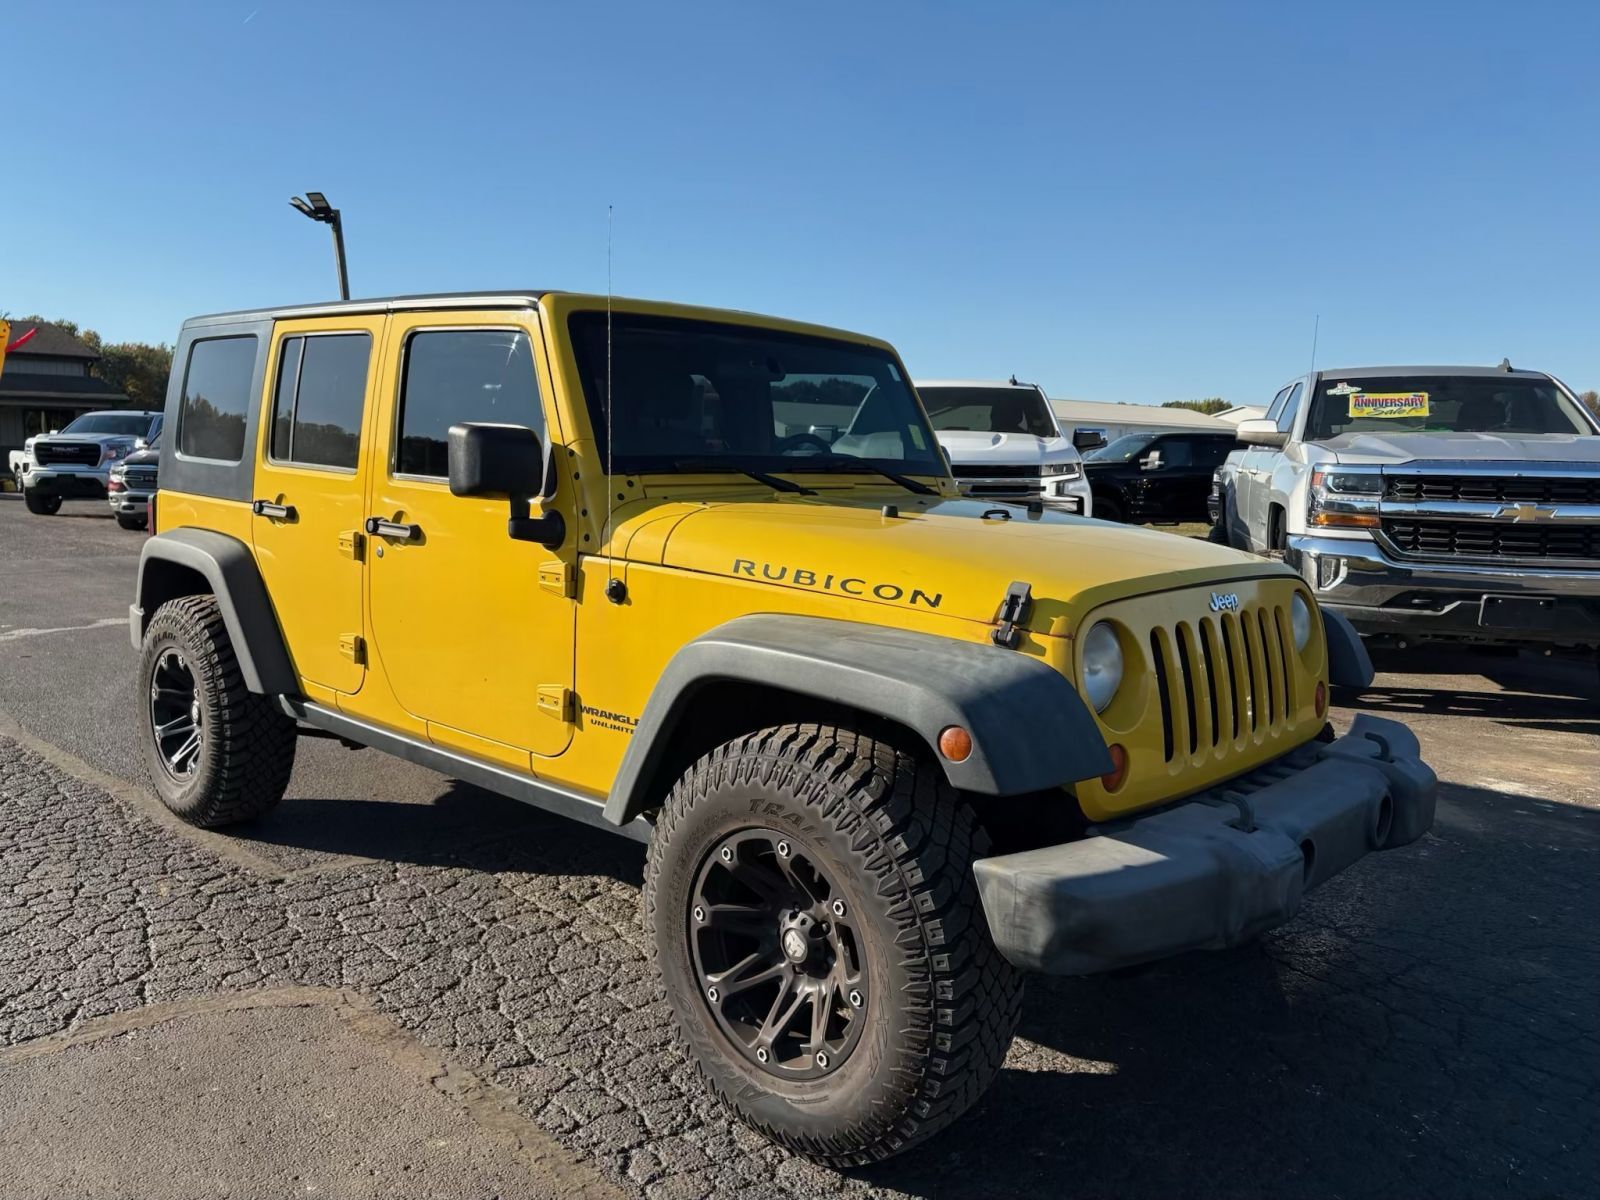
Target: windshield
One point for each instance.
(1441, 404)
(990, 410)
(1124, 449)
(703, 396)
(125, 424)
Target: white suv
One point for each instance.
(1004, 443)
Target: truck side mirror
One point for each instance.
(504, 460)
(1261, 432)
(1085, 440)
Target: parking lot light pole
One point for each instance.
(316, 206)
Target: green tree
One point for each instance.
(1210, 406)
(1591, 401)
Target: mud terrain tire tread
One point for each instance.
(911, 840)
(248, 751)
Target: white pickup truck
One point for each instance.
(1429, 503)
(1004, 443)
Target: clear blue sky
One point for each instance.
(1123, 202)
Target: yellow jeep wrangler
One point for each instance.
(704, 578)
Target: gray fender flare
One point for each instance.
(1030, 729)
(229, 567)
(1349, 664)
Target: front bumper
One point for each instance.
(129, 504)
(1215, 870)
(1447, 601)
(70, 483)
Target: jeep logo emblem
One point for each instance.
(1224, 602)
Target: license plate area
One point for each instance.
(1518, 612)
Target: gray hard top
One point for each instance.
(1400, 372)
(525, 298)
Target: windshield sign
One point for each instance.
(697, 396)
(123, 424)
(990, 410)
(1441, 404)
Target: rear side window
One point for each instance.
(216, 397)
(322, 389)
(453, 376)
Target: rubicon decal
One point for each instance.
(849, 585)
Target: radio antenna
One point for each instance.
(616, 590)
(1316, 328)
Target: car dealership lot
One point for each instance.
(1427, 1026)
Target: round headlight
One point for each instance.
(1300, 621)
(1102, 666)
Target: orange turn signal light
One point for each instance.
(1113, 778)
(955, 743)
(1347, 519)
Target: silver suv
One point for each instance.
(1429, 503)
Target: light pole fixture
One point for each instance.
(316, 206)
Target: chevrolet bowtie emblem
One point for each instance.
(1524, 512)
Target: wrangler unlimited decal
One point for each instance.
(850, 585)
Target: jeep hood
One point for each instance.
(940, 555)
(976, 448)
(1386, 449)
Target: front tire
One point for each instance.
(217, 752)
(40, 504)
(819, 936)
(1108, 509)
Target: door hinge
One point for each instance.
(353, 544)
(558, 577)
(354, 647)
(558, 702)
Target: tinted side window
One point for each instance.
(1209, 452)
(1176, 452)
(216, 396)
(457, 375)
(322, 389)
(1290, 408)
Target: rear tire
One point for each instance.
(40, 504)
(138, 523)
(218, 752)
(877, 848)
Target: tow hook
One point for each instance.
(1014, 610)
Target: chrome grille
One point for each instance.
(996, 471)
(1222, 679)
(1494, 489)
(140, 479)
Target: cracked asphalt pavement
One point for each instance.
(1426, 1027)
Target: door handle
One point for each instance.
(278, 512)
(378, 527)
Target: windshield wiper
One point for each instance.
(774, 482)
(850, 465)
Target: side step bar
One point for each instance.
(564, 803)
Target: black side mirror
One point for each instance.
(1085, 440)
(504, 460)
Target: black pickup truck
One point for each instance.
(1161, 478)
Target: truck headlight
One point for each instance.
(1344, 498)
(1300, 621)
(1102, 665)
(1066, 470)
